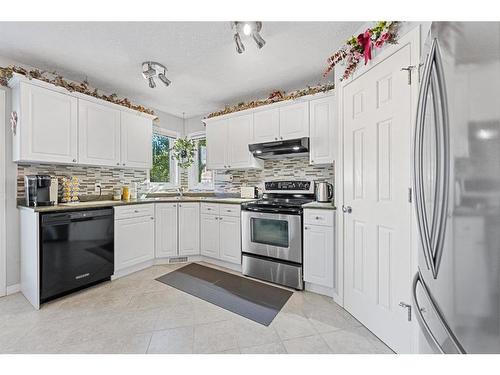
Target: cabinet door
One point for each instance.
(48, 125)
(322, 128)
(134, 241)
(230, 239)
(98, 134)
(216, 132)
(294, 121)
(136, 141)
(189, 228)
(266, 125)
(166, 230)
(239, 131)
(210, 236)
(318, 255)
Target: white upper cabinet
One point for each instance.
(239, 135)
(98, 134)
(166, 230)
(47, 125)
(322, 127)
(136, 138)
(294, 121)
(227, 143)
(266, 126)
(216, 132)
(58, 126)
(189, 229)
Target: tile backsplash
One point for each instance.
(290, 168)
(88, 176)
(279, 169)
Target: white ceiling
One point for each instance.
(205, 70)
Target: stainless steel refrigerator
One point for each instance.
(456, 291)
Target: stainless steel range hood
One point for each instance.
(280, 149)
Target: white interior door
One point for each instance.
(3, 249)
(377, 133)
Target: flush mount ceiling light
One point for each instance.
(247, 28)
(151, 69)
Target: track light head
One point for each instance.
(239, 44)
(151, 69)
(258, 39)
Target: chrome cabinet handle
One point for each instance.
(276, 138)
(74, 160)
(306, 228)
(346, 209)
(281, 138)
(421, 320)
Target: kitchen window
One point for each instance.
(199, 178)
(164, 171)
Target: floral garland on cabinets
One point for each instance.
(360, 47)
(6, 73)
(274, 97)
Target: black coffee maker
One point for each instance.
(38, 190)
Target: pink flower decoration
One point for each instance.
(379, 43)
(385, 36)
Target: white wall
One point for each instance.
(193, 124)
(169, 122)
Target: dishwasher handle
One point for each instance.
(84, 215)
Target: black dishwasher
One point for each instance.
(76, 251)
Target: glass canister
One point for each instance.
(125, 193)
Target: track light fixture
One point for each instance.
(151, 69)
(247, 28)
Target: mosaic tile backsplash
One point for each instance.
(280, 169)
(290, 168)
(88, 176)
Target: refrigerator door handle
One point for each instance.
(444, 154)
(422, 322)
(418, 159)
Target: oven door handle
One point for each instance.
(273, 210)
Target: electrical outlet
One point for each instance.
(97, 187)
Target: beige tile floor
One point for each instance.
(137, 314)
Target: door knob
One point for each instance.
(346, 209)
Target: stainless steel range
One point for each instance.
(272, 233)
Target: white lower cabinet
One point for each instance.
(134, 238)
(210, 236)
(220, 232)
(189, 229)
(230, 239)
(166, 230)
(318, 248)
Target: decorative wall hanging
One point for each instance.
(360, 47)
(57, 80)
(183, 151)
(274, 97)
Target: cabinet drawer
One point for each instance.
(230, 210)
(318, 217)
(210, 208)
(135, 210)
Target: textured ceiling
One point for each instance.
(205, 70)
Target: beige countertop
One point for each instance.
(320, 205)
(110, 203)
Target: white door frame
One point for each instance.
(3, 193)
(411, 38)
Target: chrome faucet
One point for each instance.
(179, 191)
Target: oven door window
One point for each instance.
(270, 232)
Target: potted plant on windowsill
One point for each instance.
(183, 151)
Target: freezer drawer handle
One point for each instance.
(421, 320)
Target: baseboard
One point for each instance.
(11, 289)
(221, 263)
(132, 269)
(319, 289)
